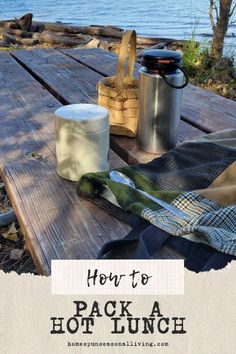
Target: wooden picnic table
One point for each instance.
(56, 223)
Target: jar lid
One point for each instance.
(159, 59)
(89, 118)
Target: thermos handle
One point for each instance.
(162, 74)
(128, 37)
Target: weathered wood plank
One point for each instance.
(92, 58)
(70, 81)
(57, 224)
(207, 110)
(202, 108)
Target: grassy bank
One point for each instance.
(216, 76)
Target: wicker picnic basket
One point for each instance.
(119, 94)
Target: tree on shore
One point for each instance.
(220, 12)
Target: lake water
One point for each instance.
(168, 18)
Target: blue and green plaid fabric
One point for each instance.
(216, 223)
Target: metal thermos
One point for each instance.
(161, 80)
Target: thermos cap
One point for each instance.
(159, 59)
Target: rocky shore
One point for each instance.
(24, 33)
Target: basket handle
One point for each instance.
(129, 37)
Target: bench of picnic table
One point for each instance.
(56, 223)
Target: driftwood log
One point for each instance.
(16, 32)
(61, 39)
(29, 41)
(23, 23)
(8, 39)
(48, 38)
